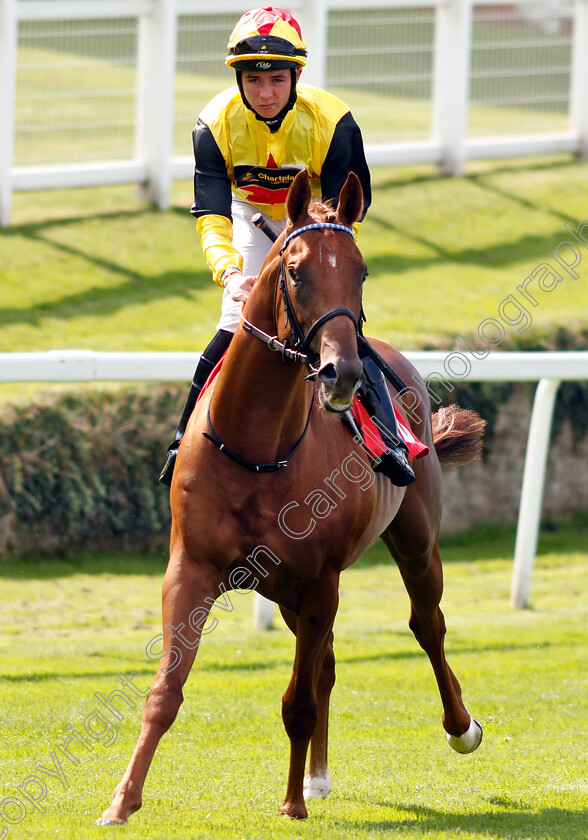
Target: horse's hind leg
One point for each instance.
(300, 704)
(423, 578)
(185, 610)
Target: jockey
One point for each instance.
(249, 144)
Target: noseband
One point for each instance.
(299, 350)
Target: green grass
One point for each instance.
(98, 269)
(70, 626)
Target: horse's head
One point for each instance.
(321, 284)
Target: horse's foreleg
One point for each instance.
(299, 703)
(185, 611)
(423, 579)
(317, 782)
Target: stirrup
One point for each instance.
(394, 463)
(395, 466)
(165, 476)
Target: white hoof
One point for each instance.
(317, 787)
(469, 741)
(104, 821)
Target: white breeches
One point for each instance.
(253, 245)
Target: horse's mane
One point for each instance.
(322, 211)
(318, 211)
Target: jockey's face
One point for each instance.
(267, 91)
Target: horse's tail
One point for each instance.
(457, 435)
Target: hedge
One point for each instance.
(79, 469)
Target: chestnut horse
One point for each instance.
(261, 475)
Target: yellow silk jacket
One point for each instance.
(236, 153)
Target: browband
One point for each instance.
(316, 226)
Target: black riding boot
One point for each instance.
(209, 358)
(374, 395)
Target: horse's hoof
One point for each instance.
(294, 811)
(469, 741)
(107, 821)
(317, 787)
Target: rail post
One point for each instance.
(312, 15)
(578, 96)
(8, 52)
(453, 34)
(155, 101)
(536, 458)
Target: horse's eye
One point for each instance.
(294, 276)
(366, 274)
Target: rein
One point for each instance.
(273, 343)
(299, 352)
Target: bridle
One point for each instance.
(298, 351)
(301, 342)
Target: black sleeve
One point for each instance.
(346, 154)
(212, 187)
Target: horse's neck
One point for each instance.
(260, 405)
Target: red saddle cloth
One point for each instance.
(371, 434)
(373, 438)
(211, 376)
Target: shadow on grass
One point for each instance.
(86, 563)
(517, 821)
(50, 676)
(531, 248)
(496, 541)
(142, 288)
(282, 663)
(407, 176)
(486, 542)
(137, 288)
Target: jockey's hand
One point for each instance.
(239, 285)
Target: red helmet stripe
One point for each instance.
(264, 19)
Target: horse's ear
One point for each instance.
(350, 205)
(298, 198)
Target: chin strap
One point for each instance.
(275, 122)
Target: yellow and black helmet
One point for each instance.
(266, 39)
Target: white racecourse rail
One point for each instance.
(548, 369)
(449, 67)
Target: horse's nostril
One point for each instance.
(328, 374)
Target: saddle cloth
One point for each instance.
(372, 437)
